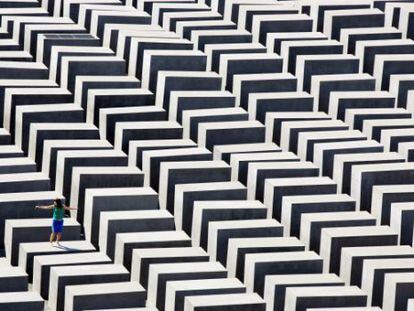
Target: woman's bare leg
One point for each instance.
(58, 237)
(52, 237)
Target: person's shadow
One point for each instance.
(68, 249)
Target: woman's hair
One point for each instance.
(58, 203)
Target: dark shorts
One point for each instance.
(57, 226)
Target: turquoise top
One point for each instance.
(58, 213)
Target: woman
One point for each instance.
(58, 214)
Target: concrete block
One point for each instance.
(258, 265)
(18, 231)
(104, 295)
(334, 239)
(115, 222)
(43, 263)
(242, 302)
(278, 188)
(127, 242)
(353, 259)
(61, 277)
(220, 233)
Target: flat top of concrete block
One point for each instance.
(312, 123)
(152, 236)
(383, 167)
(338, 216)
(281, 165)
(347, 144)
(262, 76)
(279, 95)
(402, 77)
(39, 90)
(10, 149)
(7, 271)
(209, 186)
(343, 232)
(296, 115)
(368, 30)
(89, 270)
(56, 143)
(377, 250)
(16, 177)
(406, 146)
(90, 153)
(317, 79)
(40, 247)
(263, 242)
(113, 170)
(324, 57)
(10, 297)
(230, 125)
(16, 161)
(249, 56)
(218, 32)
(223, 300)
(136, 109)
(168, 252)
(148, 125)
(29, 196)
(374, 111)
(23, 82)
(22, 65)
(389, 42)
(234, 224)
(352, 12)
(161, 143)
(104, 288)
(379, 58)
(113, 192)
(403, 205)
(57, 259)
(204, 284)
(304, 43)
(86, 78)
(182, 267)
(63, 126)
(337, 95)
(194, 165)
(194, 74)
(149, 154)
(281, 256)
(281, 17)
(133, 91)
(231, 46)
(396, 132)
(262, 156)
(289, 35)
(323, 291)
(151, 53)
(299, 181)
(322, 198)
(347, 309)
(228, 204)
(139, 214)
(188, 115)
(244, 147)
(128, 309)
(396, 278)
(286, 279)
(374, 156)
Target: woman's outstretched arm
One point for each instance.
(68, 208)
(44, 206)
